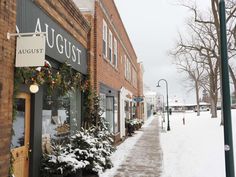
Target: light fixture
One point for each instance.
(34, 88)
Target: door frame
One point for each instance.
(26, 147)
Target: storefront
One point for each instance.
(109, 105)
(125, 109)
(50, 115)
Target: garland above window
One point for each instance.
(64, 79)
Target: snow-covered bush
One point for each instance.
(88, 149)
(94, 146)
(104, 144)
(62, 162)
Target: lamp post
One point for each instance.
(167, 103)
(228, 139)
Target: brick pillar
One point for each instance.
(7, 56)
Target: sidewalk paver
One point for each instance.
(145, 159)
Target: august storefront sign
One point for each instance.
(60, 45)
(30, 51)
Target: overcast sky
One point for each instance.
(153, 27)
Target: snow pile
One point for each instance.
(195, 149)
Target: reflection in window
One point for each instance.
(61, 116)
(127, 109)
(110, 112)
(103, 105)
(116, 114)
(18, 136)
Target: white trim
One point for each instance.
(123, 97)
(115, 52)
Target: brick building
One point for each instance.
(116, 73)
(7, 53)
(38, 115)
(94, 42)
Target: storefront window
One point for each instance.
(18, 136)
(127, 114)
(61, 116)
(116, 114)
(110, 112)
(134, 110)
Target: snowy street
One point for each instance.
(195, 149)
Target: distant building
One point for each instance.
(180, 106)
(151, 101)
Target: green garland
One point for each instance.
(65, 79)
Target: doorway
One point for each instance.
(21, 135)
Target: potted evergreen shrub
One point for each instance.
(62, 162)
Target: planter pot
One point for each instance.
(87, 173)
(56, 175)
(77, 174)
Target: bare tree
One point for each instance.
(186, 62)
(205, 36)
(201, 42)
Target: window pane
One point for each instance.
(103, 104)
(104, 47)
(18, 137)
(110, 112)
(127, 110)
(114, 60)
(61, 116)
(110, 54)
(116, 114)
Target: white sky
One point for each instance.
(153, 27)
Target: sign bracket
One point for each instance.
(9, 35)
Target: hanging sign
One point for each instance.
(30, 51)
(138, 99)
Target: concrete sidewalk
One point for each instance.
(145, 159)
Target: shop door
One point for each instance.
(20, 138)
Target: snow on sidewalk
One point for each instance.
(123, 150)
(195, 149)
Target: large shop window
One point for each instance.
(110, 112)
(109, 108)
(61, 116)
(116, 114)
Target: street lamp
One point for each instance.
(167, 101)
(228, 138)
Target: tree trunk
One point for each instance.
(233, 79)
(213, 108)
(197, 97)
